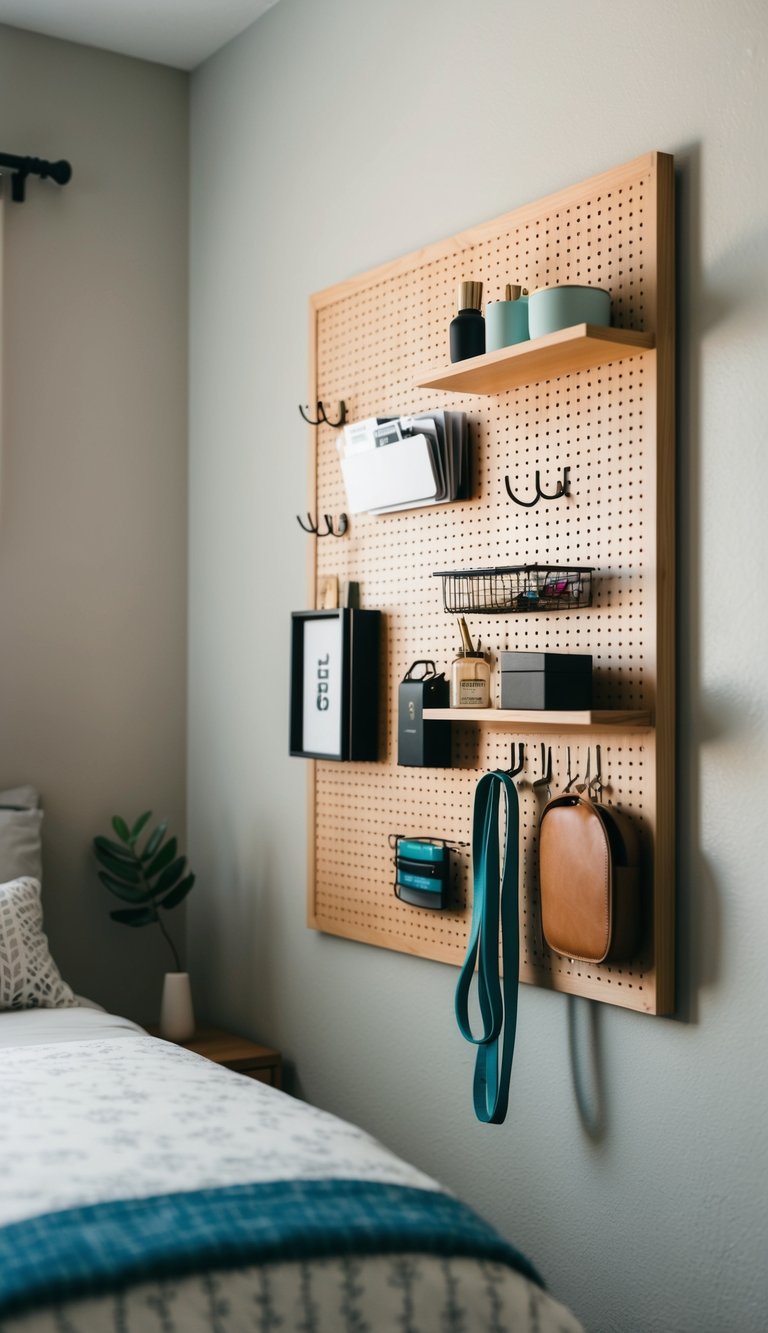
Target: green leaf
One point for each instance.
(176, 895)
(120, 853)
(163, 858)
(121, 829)
(154, 840)
(139, 825)
(169, 877)
(124, 891)
(126, 870)
(132, 916)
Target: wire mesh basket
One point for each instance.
(516, 588)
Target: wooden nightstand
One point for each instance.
(238, 1053)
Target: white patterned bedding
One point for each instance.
(108, 1113)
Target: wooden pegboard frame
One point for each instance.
(613, 424)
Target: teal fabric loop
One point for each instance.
(494, 910)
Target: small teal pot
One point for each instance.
(553, 308)
(506, 322)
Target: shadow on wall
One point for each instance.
(704, 301)
(698, 906)
(585, 1051)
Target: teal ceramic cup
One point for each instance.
(506, 322)
(553, 308)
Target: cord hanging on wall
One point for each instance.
(60, 172)
(561, 489)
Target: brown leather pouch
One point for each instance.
(589, 880)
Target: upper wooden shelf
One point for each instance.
(542, 720)
(582, 347)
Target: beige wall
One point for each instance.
(93, 478)
(333, 137)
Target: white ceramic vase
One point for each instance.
(177, 1018)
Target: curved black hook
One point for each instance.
(309, 421)
(342, 415)
(546, 769)
(330, 531)
(520, 765)
(526, 504)
(322, 419)
(314, 528)
(571, 779)
(560, 490)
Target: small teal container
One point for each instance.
(506, 322)
(553, 308)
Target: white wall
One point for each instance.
(330, 138)
(93, 479)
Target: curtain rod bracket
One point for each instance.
(21, 167)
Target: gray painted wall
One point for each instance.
(93, 479)
(332, 137)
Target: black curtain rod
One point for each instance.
(60, 172)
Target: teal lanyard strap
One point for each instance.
(494, 906)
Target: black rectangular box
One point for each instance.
(420, 743)
(546, 680)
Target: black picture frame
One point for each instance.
(335, 670)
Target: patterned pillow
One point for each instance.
(29, 978)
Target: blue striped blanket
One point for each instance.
(102, 1247)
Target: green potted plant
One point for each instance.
(152, 879)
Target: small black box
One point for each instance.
(546, 680)
(422, 744)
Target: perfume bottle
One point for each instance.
(470, 675)
(467, 331)
(506, 322)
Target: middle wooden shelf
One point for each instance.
(582, 347)
(547, 720)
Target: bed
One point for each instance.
(145, 1189)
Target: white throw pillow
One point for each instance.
(29, 978)
(19, 798)
(20, 844)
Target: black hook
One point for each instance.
(525, 504)
(575, 777)
(518, 767)
(560, 490)
(585, 785)
(322, 419)
(330, 531)
(546, 768)
(314, 528)
(342, 416)
(596, 785)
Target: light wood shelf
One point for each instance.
(582, 347)
(544, 720)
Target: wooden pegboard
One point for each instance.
(613, 426)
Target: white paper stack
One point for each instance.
(395, 463)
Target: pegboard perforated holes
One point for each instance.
(371, 343)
